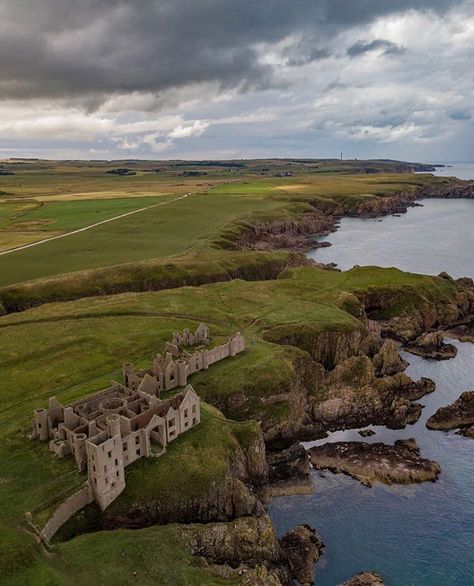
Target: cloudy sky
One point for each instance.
(237, 78)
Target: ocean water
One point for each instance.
(436, 237)
(459, 170)
(419, 535)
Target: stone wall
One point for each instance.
(66, 510)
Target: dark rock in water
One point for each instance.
(397, 464)
(365, 579)
(289, 464)
(463, 333)
(467, 432)
(431, 345)
(303, 549)
(458, 415)
(366, 432)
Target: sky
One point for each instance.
(200, 79)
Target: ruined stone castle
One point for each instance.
(127, 421)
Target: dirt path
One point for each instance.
(163, 203)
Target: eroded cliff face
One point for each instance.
(232, 497)
(249, 551)
(426, 316)
(328, 347)
(298, 233)
(355, 377)
(295, 234)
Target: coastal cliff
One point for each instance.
(300, 223)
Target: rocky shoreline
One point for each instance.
(431, 345)
(249, 549)
(397, 464)
(459, 415)
(360, 380)
(365, 579)
(300, 234)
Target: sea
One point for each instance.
(418, 535)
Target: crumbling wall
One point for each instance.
(66, 510)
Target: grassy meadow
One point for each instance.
(171, 230)
(72, 348)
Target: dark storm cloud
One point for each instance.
(306, 57)
(94, 48)
(387, 47)
(460, 115)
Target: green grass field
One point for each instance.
(177, 228)
(165, 231)
(70, 349)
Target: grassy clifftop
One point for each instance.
(181, 226)
(73, 348)
(75, 343)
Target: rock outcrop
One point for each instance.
(248, 549)
(296, 234)
(303, 549)
(365, 579)
(388, 361)
(290, 464)
(355, 397)
(432, 345)
(463, 332)
(458, 415)
(397, 464)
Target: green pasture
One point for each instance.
(65, 216)
(163, 231)
(178, 227)
(70, 349)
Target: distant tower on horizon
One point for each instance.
(341, 156)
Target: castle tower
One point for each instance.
(113, 425)
(127, 371)
(182, 373)
(41, 424)
(105, 466)
(69, 417)
(80, 450)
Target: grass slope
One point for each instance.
(191, 224)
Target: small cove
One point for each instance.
(413, 535)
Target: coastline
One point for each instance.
(362, 381)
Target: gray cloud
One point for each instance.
(71, 49)
(235, 78)
(362, 47)
(460, 115)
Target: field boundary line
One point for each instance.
(78, 230)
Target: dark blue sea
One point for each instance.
(419, 535)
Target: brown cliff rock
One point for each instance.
(248, 550)
(432, 345)
(289, 464)
(458, 415)
(388, 360)
(303, 549)
(365, 579)
(397, 464)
